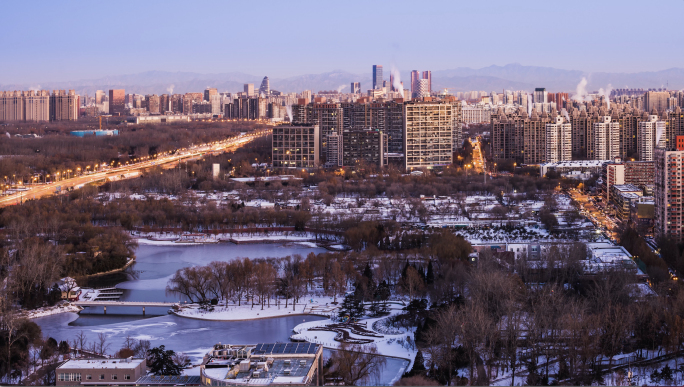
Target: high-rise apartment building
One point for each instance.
(607, 139)
(558, 140)
(362, 146)
(651, 134)
(613, 173)
(415, 76)
(265, 88)
(656, 100)
(117, 104)
(164, 104)
(334, 151)
(295, 146)
(12, 106)
(249, 89)
(208, 92)
(520, 137)
(37, 105)
(669, 193)
(377, 77)
(428, 134)
(153, 103)
(356, 87)
(63, 105)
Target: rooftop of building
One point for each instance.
(128, 363)
(261, 364)
(576, 163)
(624, 188)
(169, 380)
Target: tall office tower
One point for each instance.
(423, 89)
(99, 97)
(153, 104)
(63, 105)
(607, 139)
(362, 146)
(164, 105)
(37, 105)
(540, 95)
(117, 104)
(295, 146)
(651, 135)
(208, 92)
(377, 77)
(356, 87)
(249, 89)
(334, 151)
(415, 76)
(656, 100)
(558, 140)
(428, 76)
(428, 134)
(668, 193)
(265, 88)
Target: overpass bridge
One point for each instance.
(142, 304)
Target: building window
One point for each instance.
(127, 377)
(89, 377)
(114, 377)
(69, 377)
(101, 376)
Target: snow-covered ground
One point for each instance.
(60, 307)
(232, 312)
(395, 345)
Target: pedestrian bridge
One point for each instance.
(142, 304)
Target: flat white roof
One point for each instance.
(88, 364)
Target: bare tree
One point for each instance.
(354, 364)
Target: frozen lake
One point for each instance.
(153, 267)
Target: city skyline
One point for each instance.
(592, 45)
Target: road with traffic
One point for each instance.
(35, 191)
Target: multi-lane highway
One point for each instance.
(36, 191)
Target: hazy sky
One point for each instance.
(68, 40)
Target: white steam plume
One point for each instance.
(565, 114)
(8, 135)
(581, 91)
(340, 88)
(34, 88)
(289, 112)
(397, 80)
(606, 94)
(170, 89)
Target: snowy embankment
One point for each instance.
(158, 239)
(61, 307)
(392, 345)
(232, 312)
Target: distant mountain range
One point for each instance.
(493, 78)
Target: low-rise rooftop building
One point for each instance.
(112, 372)
(263, 365)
